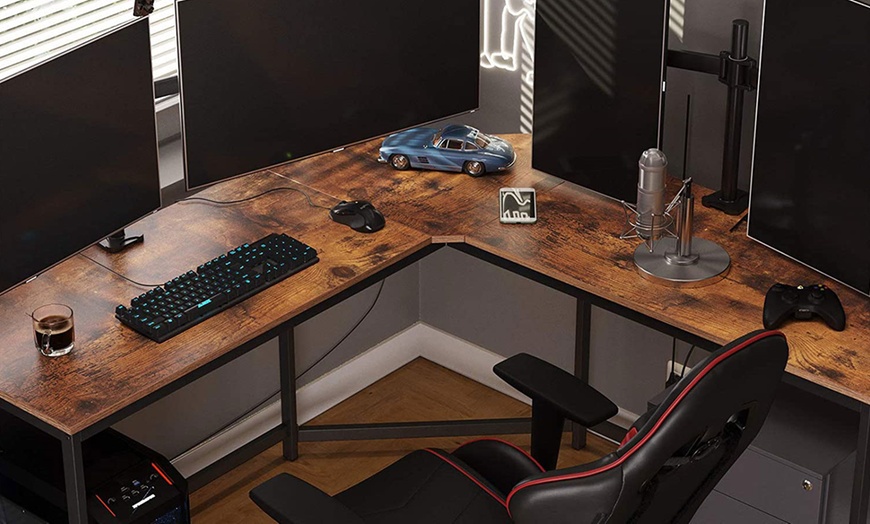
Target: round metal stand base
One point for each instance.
(712, 266)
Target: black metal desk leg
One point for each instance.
(861, 487)
(74, 479)
(287, 358)
(583, 330)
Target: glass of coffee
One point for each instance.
(53, 329)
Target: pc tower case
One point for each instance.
(126, 482)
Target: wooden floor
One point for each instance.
(420, 390)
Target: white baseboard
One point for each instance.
(475, 362)
(463, 357)
(624, 418)
(419, 340)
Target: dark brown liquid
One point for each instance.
(60, 330)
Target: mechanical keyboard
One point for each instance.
(220, 283)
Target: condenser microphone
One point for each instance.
(652, 169)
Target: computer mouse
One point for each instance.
(359, 215)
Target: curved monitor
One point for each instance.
(272, 81)
(78, 151)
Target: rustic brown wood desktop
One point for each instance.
(573, 247)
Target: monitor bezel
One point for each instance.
(752, 170)
(104, 34)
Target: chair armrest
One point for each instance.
(567, 394)
(290, 500)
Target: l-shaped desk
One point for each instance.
(573, 247)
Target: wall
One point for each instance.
(509, 314)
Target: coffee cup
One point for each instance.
(53, 329)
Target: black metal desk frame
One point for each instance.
(290, 433)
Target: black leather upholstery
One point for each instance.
(660, 475)
(556, 395)
(290, 500)
(675, 460)
(502, 463)
(544, 382)
(426, 487)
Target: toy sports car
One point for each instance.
(453, 148)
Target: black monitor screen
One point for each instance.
(78, 151)
(599, 67)
(269, 81)
(811, 175)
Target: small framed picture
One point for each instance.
(517, 205)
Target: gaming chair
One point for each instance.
(669, 461)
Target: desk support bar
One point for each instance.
(861, 484)
(236, 458)
(287, 358)
(582, 337)
(74, 479)
(390, 430)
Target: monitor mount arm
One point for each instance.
(119, 241)
(739, 72)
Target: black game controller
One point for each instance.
(802, 302)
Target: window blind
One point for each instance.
(34, 30)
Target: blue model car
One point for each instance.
(453, 148)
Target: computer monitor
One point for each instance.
(272, 81)
(78, 151)
(810, 176)
(599, 73)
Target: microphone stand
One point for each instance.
(682, 260)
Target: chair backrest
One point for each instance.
(664, 472)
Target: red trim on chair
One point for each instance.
(628, 436)
(651, 432)
(521, 450)
(469, 475)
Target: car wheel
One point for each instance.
(474, 168)
(400, 162)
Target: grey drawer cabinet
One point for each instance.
(785, 490)
(722, 509)
(798, 470)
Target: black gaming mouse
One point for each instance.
(360, 215)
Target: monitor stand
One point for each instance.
(730, 206)
(119, 241)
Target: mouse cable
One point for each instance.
(239, 201)
(686, 362)
(229, 202)
(107, 268)
(277, 394)
(672, 377)
(351, 330)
